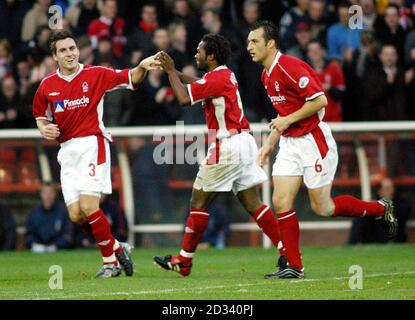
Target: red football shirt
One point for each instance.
(75, 103)
(291, 82)
(218, 89)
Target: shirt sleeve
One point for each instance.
(306, 82)
(41, 106)
(209, 86)
(117, 79)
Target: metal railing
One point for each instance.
(260, 132)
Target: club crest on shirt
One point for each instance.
(277, 86)
(85, 87)
(303, 82)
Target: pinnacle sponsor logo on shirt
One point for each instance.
(61, 106)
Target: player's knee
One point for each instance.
(321, 209)
(88, 208)
(282, 203)
(76, 217)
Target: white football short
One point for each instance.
(313, 156)
(85, 167)
(230, 164)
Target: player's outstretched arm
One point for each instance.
(138, 73)
(48, 130)
(180, 91)
(183, 77)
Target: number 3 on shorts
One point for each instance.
(318, 167)
(92, 172)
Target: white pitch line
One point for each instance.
(200, 289)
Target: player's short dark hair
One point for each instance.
(59, 35)
(270, 30)
(218, 46)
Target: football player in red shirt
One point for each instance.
(68, 107)
(307, 151)
(231, 161)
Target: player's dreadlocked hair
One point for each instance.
(270, 30)
(59, 35)
(218, 46)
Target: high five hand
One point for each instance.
(166, 61)
(151, 63)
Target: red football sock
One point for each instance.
(102, 234)
(195, 227)
(290, 235)
(266, 220)
(349, 206)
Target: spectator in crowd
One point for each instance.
(405, 12)
(86, 51)
(161, 42)
(48, 225)
(365, 230)
(369, 13)
(341, 40)
(410, 49)
(142, 34)
(6, 57)
(37, 51)
(7, 229)
(178, 37)
(389, 31)
(213, 24)
(289, 20)
(41, 70)
(182, 11)
(22, 75)
(109, 25)
(356, 68)
(81, 14)
(251, 12)
(155, 94)
(9, 101)
(385, 89)
(11, 19)
(104, 54)
(303, 37)
(332, 79)
(318, 21)
(34, 18)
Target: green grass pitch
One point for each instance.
(232, 273)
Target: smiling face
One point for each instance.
(67, 55)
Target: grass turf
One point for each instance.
(233, 273)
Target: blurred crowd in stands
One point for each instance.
(367, 73)
(378, 59)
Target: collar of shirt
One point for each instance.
(274, 63)
(71, 76)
